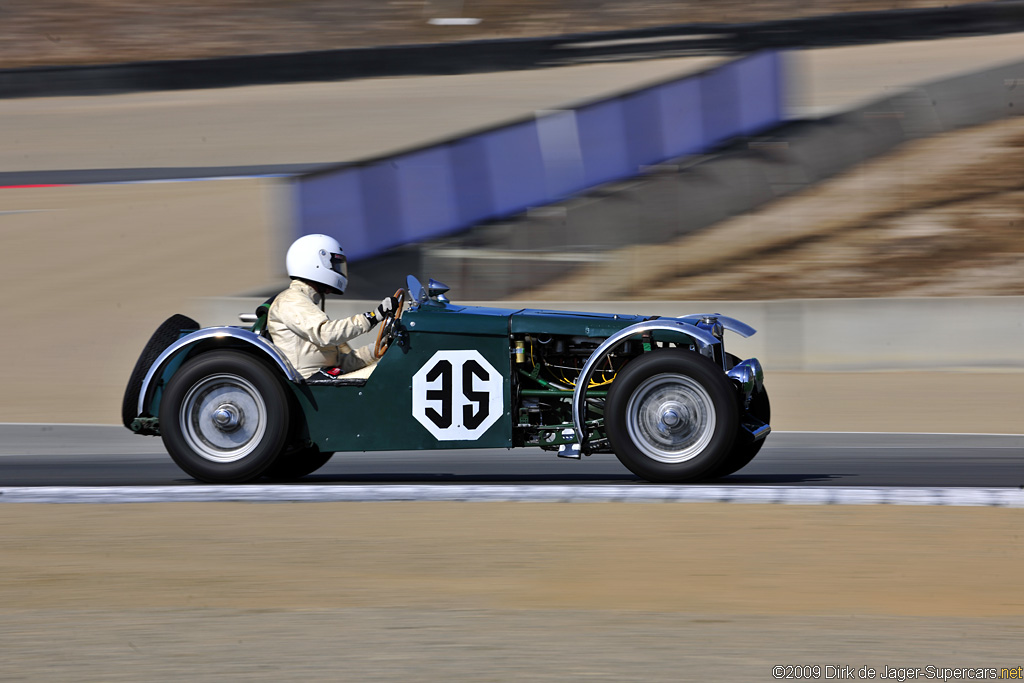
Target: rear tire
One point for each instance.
(292, 465)
(224, 417)
(671, 416)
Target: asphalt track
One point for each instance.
(105, 456)
(292, 128)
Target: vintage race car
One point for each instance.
(660, 393)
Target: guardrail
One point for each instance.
(437, 190)
(518, 53)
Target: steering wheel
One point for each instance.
(386, 332)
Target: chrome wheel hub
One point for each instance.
(227, 417)
(671, 418)
(223, 418)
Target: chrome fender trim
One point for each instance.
(234, 333)
(704, 340)
(731, 324)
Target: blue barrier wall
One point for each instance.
(441, 189)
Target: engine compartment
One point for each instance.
(547, 368)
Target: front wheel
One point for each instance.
(745, 448)
(671, 416)
(224, 417)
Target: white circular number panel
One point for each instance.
(457, 395)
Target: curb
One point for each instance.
(770, 495)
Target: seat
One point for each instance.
(262, 311)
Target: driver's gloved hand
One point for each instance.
(388, 305)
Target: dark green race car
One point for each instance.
(662, 394)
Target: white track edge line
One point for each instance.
(782, 495)
(811, 431)
(774, 431)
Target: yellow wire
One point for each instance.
(591, 385)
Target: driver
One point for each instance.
(316, 345)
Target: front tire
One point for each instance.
(224, 417)
(744, 449)
(671, 416)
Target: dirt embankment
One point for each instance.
(942, 216)
(105, 31)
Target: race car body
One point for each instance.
(661, 393)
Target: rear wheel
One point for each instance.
(224, 417)
(671, 416)
(296, 464)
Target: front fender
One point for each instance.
(702, 338)
(227, 336)
(731, 324)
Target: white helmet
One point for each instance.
(318, 258)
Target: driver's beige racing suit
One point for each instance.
(299, 327)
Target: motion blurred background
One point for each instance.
(848, 178)
(60, 32)
(848, 183)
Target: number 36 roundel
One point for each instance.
(457, 395)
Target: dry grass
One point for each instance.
(961, 233)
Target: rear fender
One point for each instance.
(204, 340)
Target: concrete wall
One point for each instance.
(806, 334)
